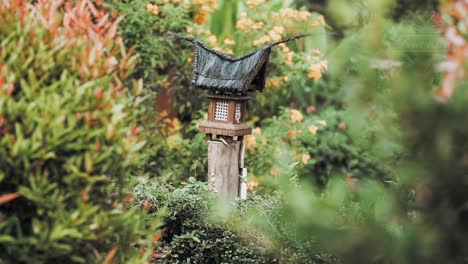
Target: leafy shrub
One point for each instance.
(294, 78)
(188, 236)
(171, 156)
(404, 8)
(67, 137)
(421, 216)
(193, 235)
(296, 68)
(163, 65)
(165, 68)
(314, 146)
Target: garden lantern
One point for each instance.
(229, 82)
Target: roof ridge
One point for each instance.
(227, 56)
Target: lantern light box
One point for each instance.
(228, 82)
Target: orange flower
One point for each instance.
(246, 24)
(229, 42)
(254, 3)
(262, 40)
(257, 131)
(318, 22)
(302, 16)
(275, 84)
(296, 116)
(251, 185)
(316, 69)
(212, 40)
(153, 9)
(275, 171)
(250, 141)
(292, 134)
(202, 16)
(313, 129)
(322, 122)
(342, 126)
(289, 58)
(305, 158)
(278, 29)
(315, 75)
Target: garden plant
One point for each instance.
(358, 152)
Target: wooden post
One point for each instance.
(223, 167)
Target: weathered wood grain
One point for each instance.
(223, 167)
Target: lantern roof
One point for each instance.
(218, 72)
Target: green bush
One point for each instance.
(193, 234)
(166, 71)
(314, 146)
(175, 158)
(163, 65)
(67, 136)
(189, 236)
(421, 216)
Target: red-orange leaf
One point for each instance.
(5, 198)
(142, 250)
(98, 146)
(128, 198)
(110, 255)
(11, 89)
(156, 237)
(99, 94)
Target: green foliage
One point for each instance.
(166, 72)
(410, 7)
(163, 64)
(148, 33)
(390, 162)
(314, 146)
(419, 217)
(171, 157)
(67, 138)
(189, 236)
(236, 28)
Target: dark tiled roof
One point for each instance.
(216, 71)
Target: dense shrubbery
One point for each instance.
(389, 159)
(292, 68)
(189, 236)
(164, 66)
(420, 217)
(166, 72)
(67, 136)
(315, 146)
(377, 120)
(192, 234)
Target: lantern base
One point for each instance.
(225, 129)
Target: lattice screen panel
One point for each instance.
(237, 113)
(221, 110)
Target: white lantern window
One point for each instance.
(221, 110)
